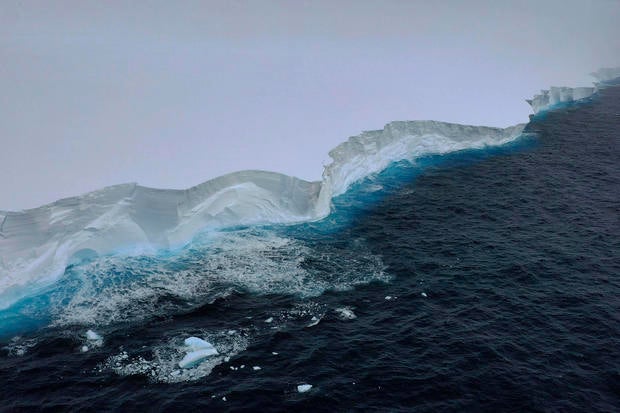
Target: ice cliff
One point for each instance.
(36, 245)
(557, 96)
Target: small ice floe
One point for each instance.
(195, 343)
(93, 340)
(197, 350)
(92, 336)
(345, 313)
(302, 388)
(256, 368)
(227, 359)
(313, 321)
(242, 366)
(390, 297)
(275, 353)
(269, 320)
(224, 398)
(424, 295)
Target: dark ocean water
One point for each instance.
(479, 281)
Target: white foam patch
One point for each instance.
(120, 289)
(19, 346)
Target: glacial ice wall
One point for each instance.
(553, 97)
(36, 245)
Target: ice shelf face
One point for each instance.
(556, 96)
(37, 245)
(373, 151)
(548, 99)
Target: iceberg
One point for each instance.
(554, 97)
(37, 245)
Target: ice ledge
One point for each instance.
(556, 97)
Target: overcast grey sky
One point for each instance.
(170, 94)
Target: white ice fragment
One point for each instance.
(269, 320)
(92, 336)
(424, 294)
(242, 366)
(84, 349)
(314, 321)
(227, 359)
(302, 388)
(388, 297)
(224, 398)
(345, 313)
(195, 357)
(256, 368)
(195, 343)
(274, 353)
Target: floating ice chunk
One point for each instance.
(256, 368)
(274, 353)
(84, 349)
(424, 295)
(269, 320)
(227, 359)
(388, 297)
(242, 366)
(313, 321)
(92, 336)
(345, 313)
(224, 398)
(302, 388)
(196, 343)
(195, 357)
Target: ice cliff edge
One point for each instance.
(36, 245)
(556, 96)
